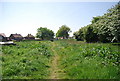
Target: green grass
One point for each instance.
(26, 60)
(89, 61)
(78, 60)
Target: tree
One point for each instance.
(95, 19)
(104, 28)
(114, 24)
(44, 33)
(63, 31)
(80, 35)
(90, 35)
(77, 37)
(109, 25)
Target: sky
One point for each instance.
(24, 17)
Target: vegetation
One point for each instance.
(69, 59)
(63, 31)
(104, 28)
(26, 60)
(44, 33)
(81, 60)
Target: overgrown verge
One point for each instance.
(26, 60)
(89, 60)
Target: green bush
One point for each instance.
(104, 28)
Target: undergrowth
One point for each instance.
(26, 60)
(89, 60)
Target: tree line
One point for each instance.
(45, 33)
(104, 29)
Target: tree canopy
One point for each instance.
(104, 28)
(63, 31)
(44, 33)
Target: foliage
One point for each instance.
(81, 60)
(104, 28)
(77, 60)
(95, 19)
(90, 35)
(63, 31)
(44, 33)
(79, 35)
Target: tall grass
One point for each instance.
(78, 60)
(26, 60)
(89, 60)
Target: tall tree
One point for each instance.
(109, 25)
(44, 33)
(63, 31)
(104, 28)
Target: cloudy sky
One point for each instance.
(25, 16)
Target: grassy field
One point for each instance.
(61, 59)
(26, 60)
(89, 61)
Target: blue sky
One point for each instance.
(26, 17)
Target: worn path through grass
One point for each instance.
(55, 71)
